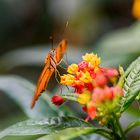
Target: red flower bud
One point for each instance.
(57, 100)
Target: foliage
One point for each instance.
(131, 84)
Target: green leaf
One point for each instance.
(131, 84)
(43, 126)
(131, 126)
(32, 137)
(70, 133)
(21, 91)
(133, 112)
(131, 67)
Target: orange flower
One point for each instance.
(136, 9)
(91, 110)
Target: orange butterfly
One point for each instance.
(52, 60)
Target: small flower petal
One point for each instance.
(86, 78)
(79, 86)
(89, 87)
(73, 69)
(67, 79)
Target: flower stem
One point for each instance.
(119, 127)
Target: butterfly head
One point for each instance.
(53, 52)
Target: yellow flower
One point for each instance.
(92, 58)
(73, 69)
(84, 97)
(67, 79)
(136, 9)
(86, 78)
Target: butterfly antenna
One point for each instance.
(51, 38)
(66, 26)
(63, 31)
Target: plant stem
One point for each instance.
(119, 127)
(104, 133)
(112, 126)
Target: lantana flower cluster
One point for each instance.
(94, 86)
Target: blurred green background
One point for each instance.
(103, 26)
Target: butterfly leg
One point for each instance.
(57, 72)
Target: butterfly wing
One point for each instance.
(43, 80)
(60, 50)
